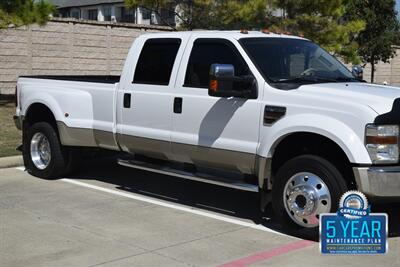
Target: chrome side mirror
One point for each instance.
(222, 70)
(358, 72)
(223, 79)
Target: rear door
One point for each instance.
(214, 131)
(147, 101)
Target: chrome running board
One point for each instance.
(200, 177)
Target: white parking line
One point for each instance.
(173, 206)
(169, 205)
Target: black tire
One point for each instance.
(58, 161)
(319, 166)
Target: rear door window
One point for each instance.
(156, 61)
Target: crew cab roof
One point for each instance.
(219, 34)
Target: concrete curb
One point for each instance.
(9, 162)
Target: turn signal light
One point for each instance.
(214, 85)
(381, 140)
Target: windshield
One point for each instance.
(287, 63)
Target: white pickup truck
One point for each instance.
(255, 111)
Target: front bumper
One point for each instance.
(18, 121)
(380, 182)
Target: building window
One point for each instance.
(107, 13)
(167, 14)
(92, 14)
(146, 14)
(127, 15)
(156, 61)
(62, 13)
(75, 14)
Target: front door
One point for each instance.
(213, 131)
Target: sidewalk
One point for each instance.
(9, 162)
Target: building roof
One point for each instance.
(78, 3)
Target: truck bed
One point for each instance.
(79, 78)
(82, 106)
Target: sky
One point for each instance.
(398, 8)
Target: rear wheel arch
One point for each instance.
(38, 112)
(41, 114)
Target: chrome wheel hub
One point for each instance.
(40, 151)
(305, 197)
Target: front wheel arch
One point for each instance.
(302, 143)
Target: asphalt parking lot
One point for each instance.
(109, 215)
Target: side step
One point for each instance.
(200, 177)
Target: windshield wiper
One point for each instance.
(316, 79)
(346, 79)
(305, 79)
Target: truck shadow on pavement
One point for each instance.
(217, 199)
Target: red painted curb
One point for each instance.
(262, 256)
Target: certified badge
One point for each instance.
(353, 229)
(353, 205)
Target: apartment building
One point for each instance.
(111, 10)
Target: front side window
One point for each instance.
(288, 61)
(156, 61)
(206, 52)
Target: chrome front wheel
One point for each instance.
(40, 151)
(305, 197)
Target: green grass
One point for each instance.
(10, 136)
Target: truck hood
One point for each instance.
(378, 97)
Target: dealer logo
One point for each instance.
(353, 229)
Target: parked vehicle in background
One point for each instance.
(268, 113)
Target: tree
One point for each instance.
(242, 14)
(322, 22)
(208, 14)
(22, 12)
(319, 20)
(381, 32)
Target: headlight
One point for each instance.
(382, 143)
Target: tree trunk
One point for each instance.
(372, 68)
(372, 72)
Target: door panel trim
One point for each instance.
(197, 155)
(71, 136)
